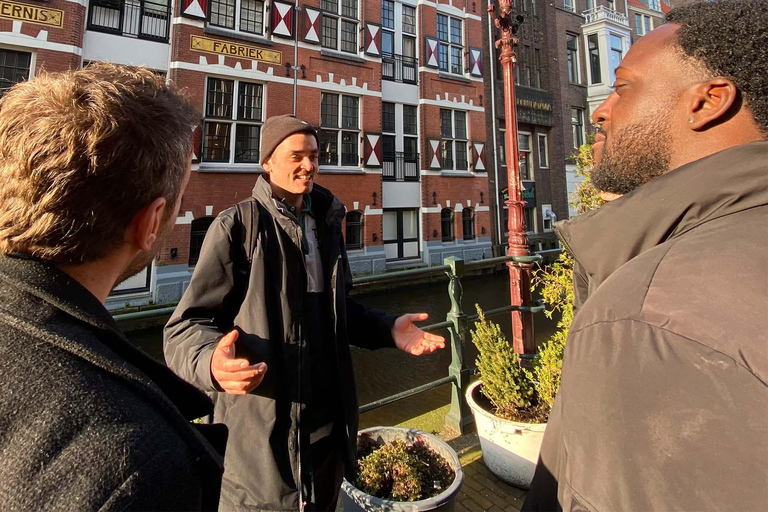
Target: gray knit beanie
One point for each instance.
(278, 128)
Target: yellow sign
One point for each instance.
(242, 51)
(41, 16)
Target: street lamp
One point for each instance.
(519, 272)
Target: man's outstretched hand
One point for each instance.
(409, 338)
(235, 376)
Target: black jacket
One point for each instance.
(87, 421)
(664, 397)
(267, 451)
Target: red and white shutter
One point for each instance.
(478, 150)
(430, 49)
(282, 19)
(434, 154)
(373, 39)
(372, 150)
(194, 8)
(476, 61)
(311, 25)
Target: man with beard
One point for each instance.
(93, 164)
(664, 396)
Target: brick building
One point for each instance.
(395, 88)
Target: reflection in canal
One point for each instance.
(384, 372)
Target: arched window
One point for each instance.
(197, 235)
(354, 236)
(446, 222)
(468, 223)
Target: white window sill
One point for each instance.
(236, 34)
(340, 169)
(226, 167)
(328, 52)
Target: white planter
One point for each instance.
(510, 448)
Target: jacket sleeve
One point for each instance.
(207, 310)
(366, 327)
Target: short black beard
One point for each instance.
(636, 155)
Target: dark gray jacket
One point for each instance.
(664, 397)
(87, 421)
(264, 454)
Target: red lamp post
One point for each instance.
(519, 272)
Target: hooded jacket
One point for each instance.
(268, 461)
(87, 421)
(664, 396)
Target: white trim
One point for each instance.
(83, 3)
(482, 208)
(463, 105)
(436, 71)
(450, 9)
(14, 37)
(179, 20)
(546, 148)
(187, 218)
(372, 211)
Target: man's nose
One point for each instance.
(306, 164)
(600, 115)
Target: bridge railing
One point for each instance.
(457, 323)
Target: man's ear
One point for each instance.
(142, 232)
(711, 102)
(267, 165)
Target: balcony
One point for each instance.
(602, 13)
(141, 19)
(399, 68)
(400, 166)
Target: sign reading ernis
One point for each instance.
(24, 12)
(242, 51)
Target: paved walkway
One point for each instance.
(482, 491)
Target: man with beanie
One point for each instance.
(265, 327)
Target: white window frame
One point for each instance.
(454, 139)
(340, 19)
(531, 173)
(238, 18)
(569, 5)
(640, 27)
(340, 130)
(654, 5)
(611, 51)
(449, 45)
(540, 136)
(232, 120)
(581, 124)
(503, 147)
(546, 219)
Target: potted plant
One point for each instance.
(403, 470)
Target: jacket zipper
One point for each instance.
(301, 371)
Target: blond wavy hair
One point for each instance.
(81, 153)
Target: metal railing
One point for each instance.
(399, 68)
(601, 13)
(142, 19)
(400, 166)
(457, 323)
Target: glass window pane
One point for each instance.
(388, 14)
(216, 142)
(594, 59)
(219, 98)
(409, 47)
(447, 154)
(445, 123)
(349, 8)
(349, 117)
(442, 27)
(543, 157)
(410, 224)
(460, 122)
(388, 117)
(349, 145)
(249, 102)
(348, 36)
(524, 142)
(330, 27)
(387, 43)
(461, 156)
(14, 68)
(223, 13)
(329, 154)
(247, 143)
(446, 224)
(410, 148)
(457, 65)
(252, 16)
(442, 54)
(409, 120)
(389, 225)
(330, 5)
(409, 19)
(329, 110)
(455, 30)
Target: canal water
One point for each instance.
(384, 372)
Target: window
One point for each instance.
(529, 217)
(339, 129)
(643, 24)
(468, 223)
(569, 5)
(655, 5)
(453, 131)
(547, 217)
(410, 126)
(572, 47)
(502, 148)
(197, 235)
(526, 67)
(249, 17)
(233, 114)
(450, 51)
(409, 19)
(446, 224)
(339, 26)
(388, 14)
(577, 124)
(615, 55)
(594, 59)
(543, 151)
(388, 117)
(354, 237)
(526, 162)
(537, 68)
(14, 68)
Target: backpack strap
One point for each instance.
(248, 220)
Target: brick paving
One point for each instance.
(482, 491)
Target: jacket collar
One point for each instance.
(727, 182)
(324, 204)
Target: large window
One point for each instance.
(233, 114)
(615, 53)
(468, 223)
(409, 19)
(14, 68)
(339, 129)
(529, 217)
(524, 156)
(450, 50)
(244, 15)
(643, 24)
(543, 151)
(453, 131)
(577, 125)
(655, 5)
(446, 225)
(143, 19)
(354, 238)
(572, 48)
(339, 26)
(197, 235)
(594, 59)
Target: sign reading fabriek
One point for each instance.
(24, 12)
(241, 51)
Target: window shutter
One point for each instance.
(372, 150)
(476, 61)
(373, 39)
(478, 151)
(433, 154)
(283, 19)
(311, 25)
(430, 49)
(194, 9)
